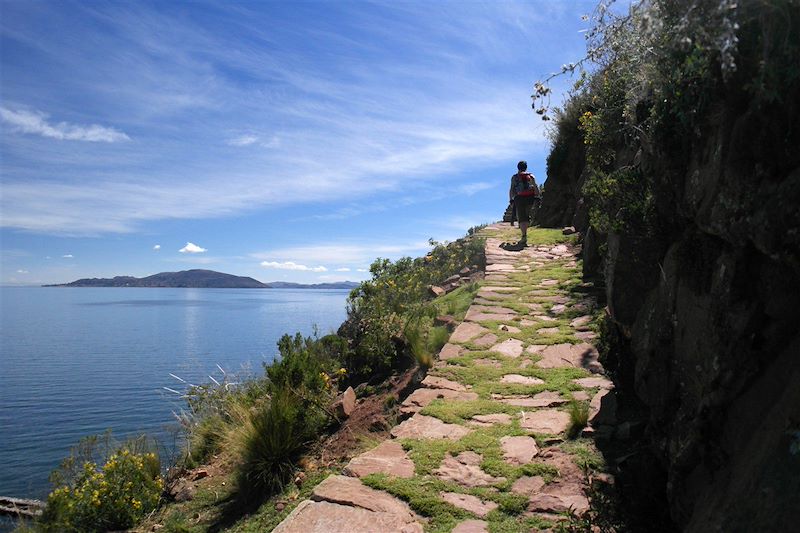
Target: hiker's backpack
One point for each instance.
(525, 184)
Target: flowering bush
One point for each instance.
(379, 310)
(115, 497)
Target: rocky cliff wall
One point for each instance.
(706, 310)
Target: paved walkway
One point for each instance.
(484, 440)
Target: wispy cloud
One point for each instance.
(243, 140)
(343, 269)
(375, 125)
(290, 265)
(68, 256)
(22, 272)
(35, 122)
(472, 188)
(192, 248)
(342, 253)
(157, 247)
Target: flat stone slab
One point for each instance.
(544, 318)
(350, 491)
(594, 381)
(478, 313)
(471, 526)
(467, 331)
(581, 321)
(577, 355)
(428, 427)
(469, 503)
(342, 504)
(558, 498)
(490, 420)
(488, 362)
(509, 329)
(548, 283)
(436, 382)
(518, 450)
(509, 348)
(387, 458)
(421, 397)
(465, 470)
(325, 517)
(500, 267)
(536, 348)
(542, 399)
(449, 351)
(545, 421)
(521, 380)
(580, 395)
(558, 309)
(586, 335)
(568, 470)
(492, 288)
(528, 485)
(485, 340)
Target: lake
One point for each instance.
(76, 361)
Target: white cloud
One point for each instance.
(67, 256)
(345, 253)
(157, 247)
(290, 265)
(243, 140)
(362, 270)
(471, 188)
(192, 248)
(343, 269)
(35, 122)
(22, 272)
(345, 126)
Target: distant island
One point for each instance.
(199, 279)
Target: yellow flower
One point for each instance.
(137, 504)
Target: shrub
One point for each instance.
(578, 418)
(379, 310)
(273, 441)
(117, 496)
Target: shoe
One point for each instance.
(523, 241)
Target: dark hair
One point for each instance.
(522, 165)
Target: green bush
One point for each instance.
(273, 441)
(117, 496)
(379, 310)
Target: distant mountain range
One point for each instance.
(199, 279)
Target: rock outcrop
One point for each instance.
(705, 311)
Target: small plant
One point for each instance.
(116, 496)
(272, 442)
(578, 418)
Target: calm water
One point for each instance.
(76, 361)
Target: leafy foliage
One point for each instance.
(385, 310)
(113, 497)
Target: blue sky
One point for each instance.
(291, 141)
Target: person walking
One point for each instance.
(523, 194)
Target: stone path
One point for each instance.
(489, 424)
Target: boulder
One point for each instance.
(345, 403)
(436, 291)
